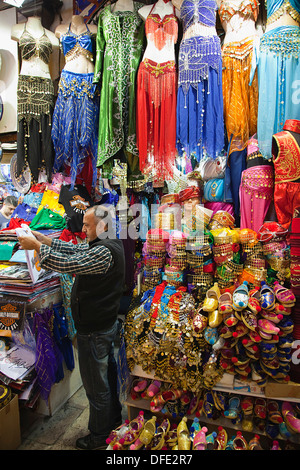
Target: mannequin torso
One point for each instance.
(167, 52)
(79, 63)
(34, 65)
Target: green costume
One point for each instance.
(119, 47)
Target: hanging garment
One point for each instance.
(240, 99)
(256, 194)
(278, 67)
(119, 47)
(200, 123)
(75, 202)
(156, 100)
(35, 104)
(75, 117)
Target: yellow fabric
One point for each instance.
(240, 99)
(50, 201)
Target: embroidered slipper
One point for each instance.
(254, 301)
(225, 302)
(230, 319)
(271, 316)
(268, 327)
(141, 385)
(233, 409)
(282, 309)
(274, 414)
(240, 297)
(199, 322)
(199, 442)
(290, 418)
(220, 439)
(267, 297)
(254, 443)
(247, 405)
(260, 408)
(215, 318)
(285, 296)
(210, 440)
(239, 442)
(153, 388)
(183, 436)
(211, 300)
(249, 319)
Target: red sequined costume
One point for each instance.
(286, 157)
(156, 101)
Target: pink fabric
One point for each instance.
(252, 145)
(256, 193)
(219, 206)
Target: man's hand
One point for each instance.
(29, 243)
(42, 238)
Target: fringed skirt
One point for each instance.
(200, 123)
(75, 124)
(240, 99)
(156, 118)
(35, 104)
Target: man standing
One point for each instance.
(9, 205)
(99, 268)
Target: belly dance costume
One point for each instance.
(200, 123)
(156, 101)
(278, 70)
(240, 99)
(286, 158)
(75, 117)
(35, 104)
(256, 189)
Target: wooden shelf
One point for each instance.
(230, 384)
(134, 406)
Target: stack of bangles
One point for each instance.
(173, 276)
(272, 247)
(202, 281)
(224, 253)
(229, 271)
(180, 262)
(153, 262)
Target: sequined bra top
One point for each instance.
(198, 11)
(246, 8)
(277, 8)
(161, 30)
(74, 45)
(35, 47)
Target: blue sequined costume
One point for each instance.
(200, 122)
(277, 59)
(76, 113)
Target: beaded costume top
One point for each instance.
(198, 11)
(74, 45)
(161, 30)
(35, 47)
(277, 8)
(246, 8)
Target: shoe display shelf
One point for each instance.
(228, 384)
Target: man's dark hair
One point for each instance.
(11, 200)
